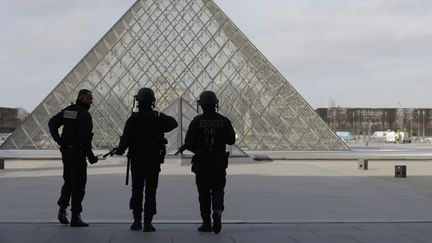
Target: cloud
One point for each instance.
(363, 53)
(352, 50)
(44, 40)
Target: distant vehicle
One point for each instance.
(390, 137)
(379, 135)
(345, 136)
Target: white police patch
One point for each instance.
(211, 123)
(70, 114)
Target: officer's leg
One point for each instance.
(203, 186)
(66, 189)
(79, 180)
(136, 199)
(218, 190)
(152, 179)
(217, 187)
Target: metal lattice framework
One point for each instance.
(180, 48)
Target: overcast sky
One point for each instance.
(368, 53)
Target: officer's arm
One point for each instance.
(230, 139)
(190, 139)
(54, 124)
(168, 123)
(86, 135)
(125, 138)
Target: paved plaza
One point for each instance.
(278, 201)
(231, 233)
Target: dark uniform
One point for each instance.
(207, 137)
(75, 146)
(144, 136)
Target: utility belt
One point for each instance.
(211, 155)
(75, 149)
(150, 149)
(210, 161)
(156, 152)
(211, 151)
(72, 146)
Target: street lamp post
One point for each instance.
(411, 120)
(369, 132)
(334, 119)
(423, 113)
(418, 124)
(402, 114)
(358, 122)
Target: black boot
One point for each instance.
(148, 227)
(206, 225)
(217, 221)
(62, 216)
(76, 221)
(136, 225)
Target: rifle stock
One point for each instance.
(181, 150)
(110, 153)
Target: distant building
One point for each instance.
(11, 118)
(362, 121)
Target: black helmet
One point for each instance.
(208, 98)
(146, 95)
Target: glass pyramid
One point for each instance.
(180, 48)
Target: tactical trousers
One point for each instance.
(143, 176)
(75, 179)
(210, 184)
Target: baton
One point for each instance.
(127, 171)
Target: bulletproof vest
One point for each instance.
(212, 132)
(148, 135)
(72, 123)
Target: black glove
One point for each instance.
(118, 151)
(93, 159)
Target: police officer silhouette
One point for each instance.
(207, 137)
(75, 145)
(143, 136)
